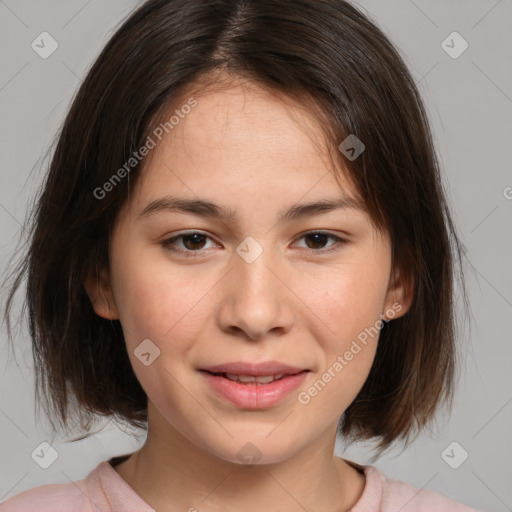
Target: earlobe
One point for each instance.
(99, 291)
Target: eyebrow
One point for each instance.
(206, 208)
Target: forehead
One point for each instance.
(242, 140)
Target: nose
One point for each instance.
(256, 298)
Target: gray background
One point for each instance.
(469, 100)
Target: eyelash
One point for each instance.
(167, 244)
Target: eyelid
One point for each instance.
(339, 241)
(167, 243)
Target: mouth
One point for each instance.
(263, 369)
(253, 386)
(252, 379)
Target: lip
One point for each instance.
(254, 396)
(256, 369)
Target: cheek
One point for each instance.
(346, 323)
(157, 304)
(163, 307)
(345, 302)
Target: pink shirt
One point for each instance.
(103, 490)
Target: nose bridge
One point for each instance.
(252, 267)
(256, 300)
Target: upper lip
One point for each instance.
(264, 368)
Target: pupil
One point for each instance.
(316, 236)
(318, 239)
(195, 240)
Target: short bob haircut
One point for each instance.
(332, 58)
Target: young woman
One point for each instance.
(243, 246)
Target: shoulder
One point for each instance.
(397, 495)
(78, 496)
(103, 489)
(402, 494)
(70, 497)
(386, 495)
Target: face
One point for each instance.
(289, 296)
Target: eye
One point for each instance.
(194, 241)
(319, 238)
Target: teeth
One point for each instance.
(260, 379)
(246, 378)
(264, 379)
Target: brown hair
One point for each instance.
(325, 50)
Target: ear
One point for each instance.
(99, 290)
(399, 295)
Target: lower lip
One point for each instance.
(252, 395)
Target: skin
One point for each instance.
(254, 152)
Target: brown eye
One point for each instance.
(195, 241)
(316, 241)
(191, 242)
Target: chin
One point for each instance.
(251, 450)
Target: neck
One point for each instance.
(171, 473)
